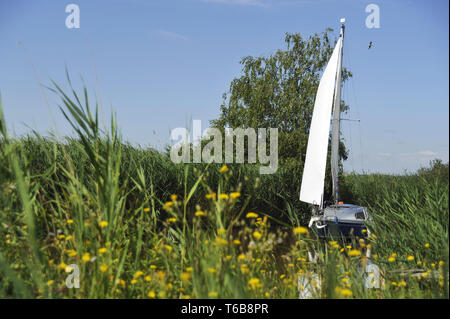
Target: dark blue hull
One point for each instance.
(340, 229)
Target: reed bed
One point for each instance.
(137, 225)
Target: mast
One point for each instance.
(336, 123)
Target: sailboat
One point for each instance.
(338, 219)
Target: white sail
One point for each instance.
(316, 153)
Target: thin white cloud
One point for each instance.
(295, 2)
(172, 35)
(256, 3)
(384, 155)
(427, 153)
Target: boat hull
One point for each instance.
(339, 230)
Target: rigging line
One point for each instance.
(361, 148)
(348, 59)
(351, 151)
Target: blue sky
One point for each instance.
(161, 64)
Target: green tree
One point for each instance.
(279, 91)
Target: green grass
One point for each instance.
(139, 226)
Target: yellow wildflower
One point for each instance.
(86, 257)
(148, 278)
(171, 220)
(103, 268)
(173, 197)
(50, 282)
(70, 221)
(223, 196)
(254, 283)
(300, 230)
(251, 215)
(151, 294)
(223, 169)
(68, 269)
(346, 293)
(236, 242)
(257, 234)
(212, 270)
(146, 210)
(71, 252)
(200, 213)
(354, 253)
(244, 268)
(138, 274)
(160, 274)
(213, 294)
(103, 224)
(235, 195)
(189, 269)
(102, 250)
(210, 196)
(221, 241)
(185, 276)
(410, 258)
